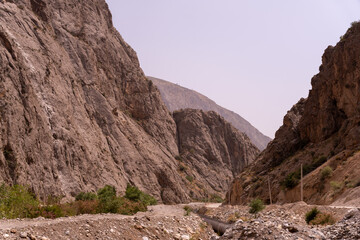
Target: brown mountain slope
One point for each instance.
(177, 97)
(321, 131)
(212, 151)
(76, 111)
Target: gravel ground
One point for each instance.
(160, 222)
(168, 222)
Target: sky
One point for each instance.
(254, 57)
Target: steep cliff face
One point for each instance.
(212, 151)
(76, 109)
(77, 112)
(321, 131)
(176, 97)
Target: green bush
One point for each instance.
(106, 192)
(88, 196)
(311, 215)
(17, 202)
(108, 203)
(256, 205)
(326, 172)
(291, 180)
(134, 194)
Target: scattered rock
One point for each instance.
(23, 235)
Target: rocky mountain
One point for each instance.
(76, 110)
(210, 149)
(177, 97)
(320, 132)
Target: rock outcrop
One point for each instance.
(76, 110)
(212, 151)
(176, 97)
(321, 131)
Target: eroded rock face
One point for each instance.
(76, 109)
(324, 127)
(176, 97)
(77, 112)
(212, 151)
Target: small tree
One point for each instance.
(256, 206)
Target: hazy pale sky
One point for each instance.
(254, 57)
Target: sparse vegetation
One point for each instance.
(190, 178)
(216, 198)
(336, 186)
(326, 172)
(134, 194)
(315, 217)
(188, 210)
(233, 217)
(18, 202)
(182, 168)
(256, 206)
(292, 179)
(82, 196)
(323, 219)
(311, 215)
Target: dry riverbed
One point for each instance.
(168, 222)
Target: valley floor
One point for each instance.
(169, 222)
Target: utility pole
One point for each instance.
(230, 194)
(301, 185)
(269, 190)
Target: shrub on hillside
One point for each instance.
(293, 178)
(336, 186)
(311, 215)
(256, 206)
(326, 172)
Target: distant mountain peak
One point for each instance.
(177, 97)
